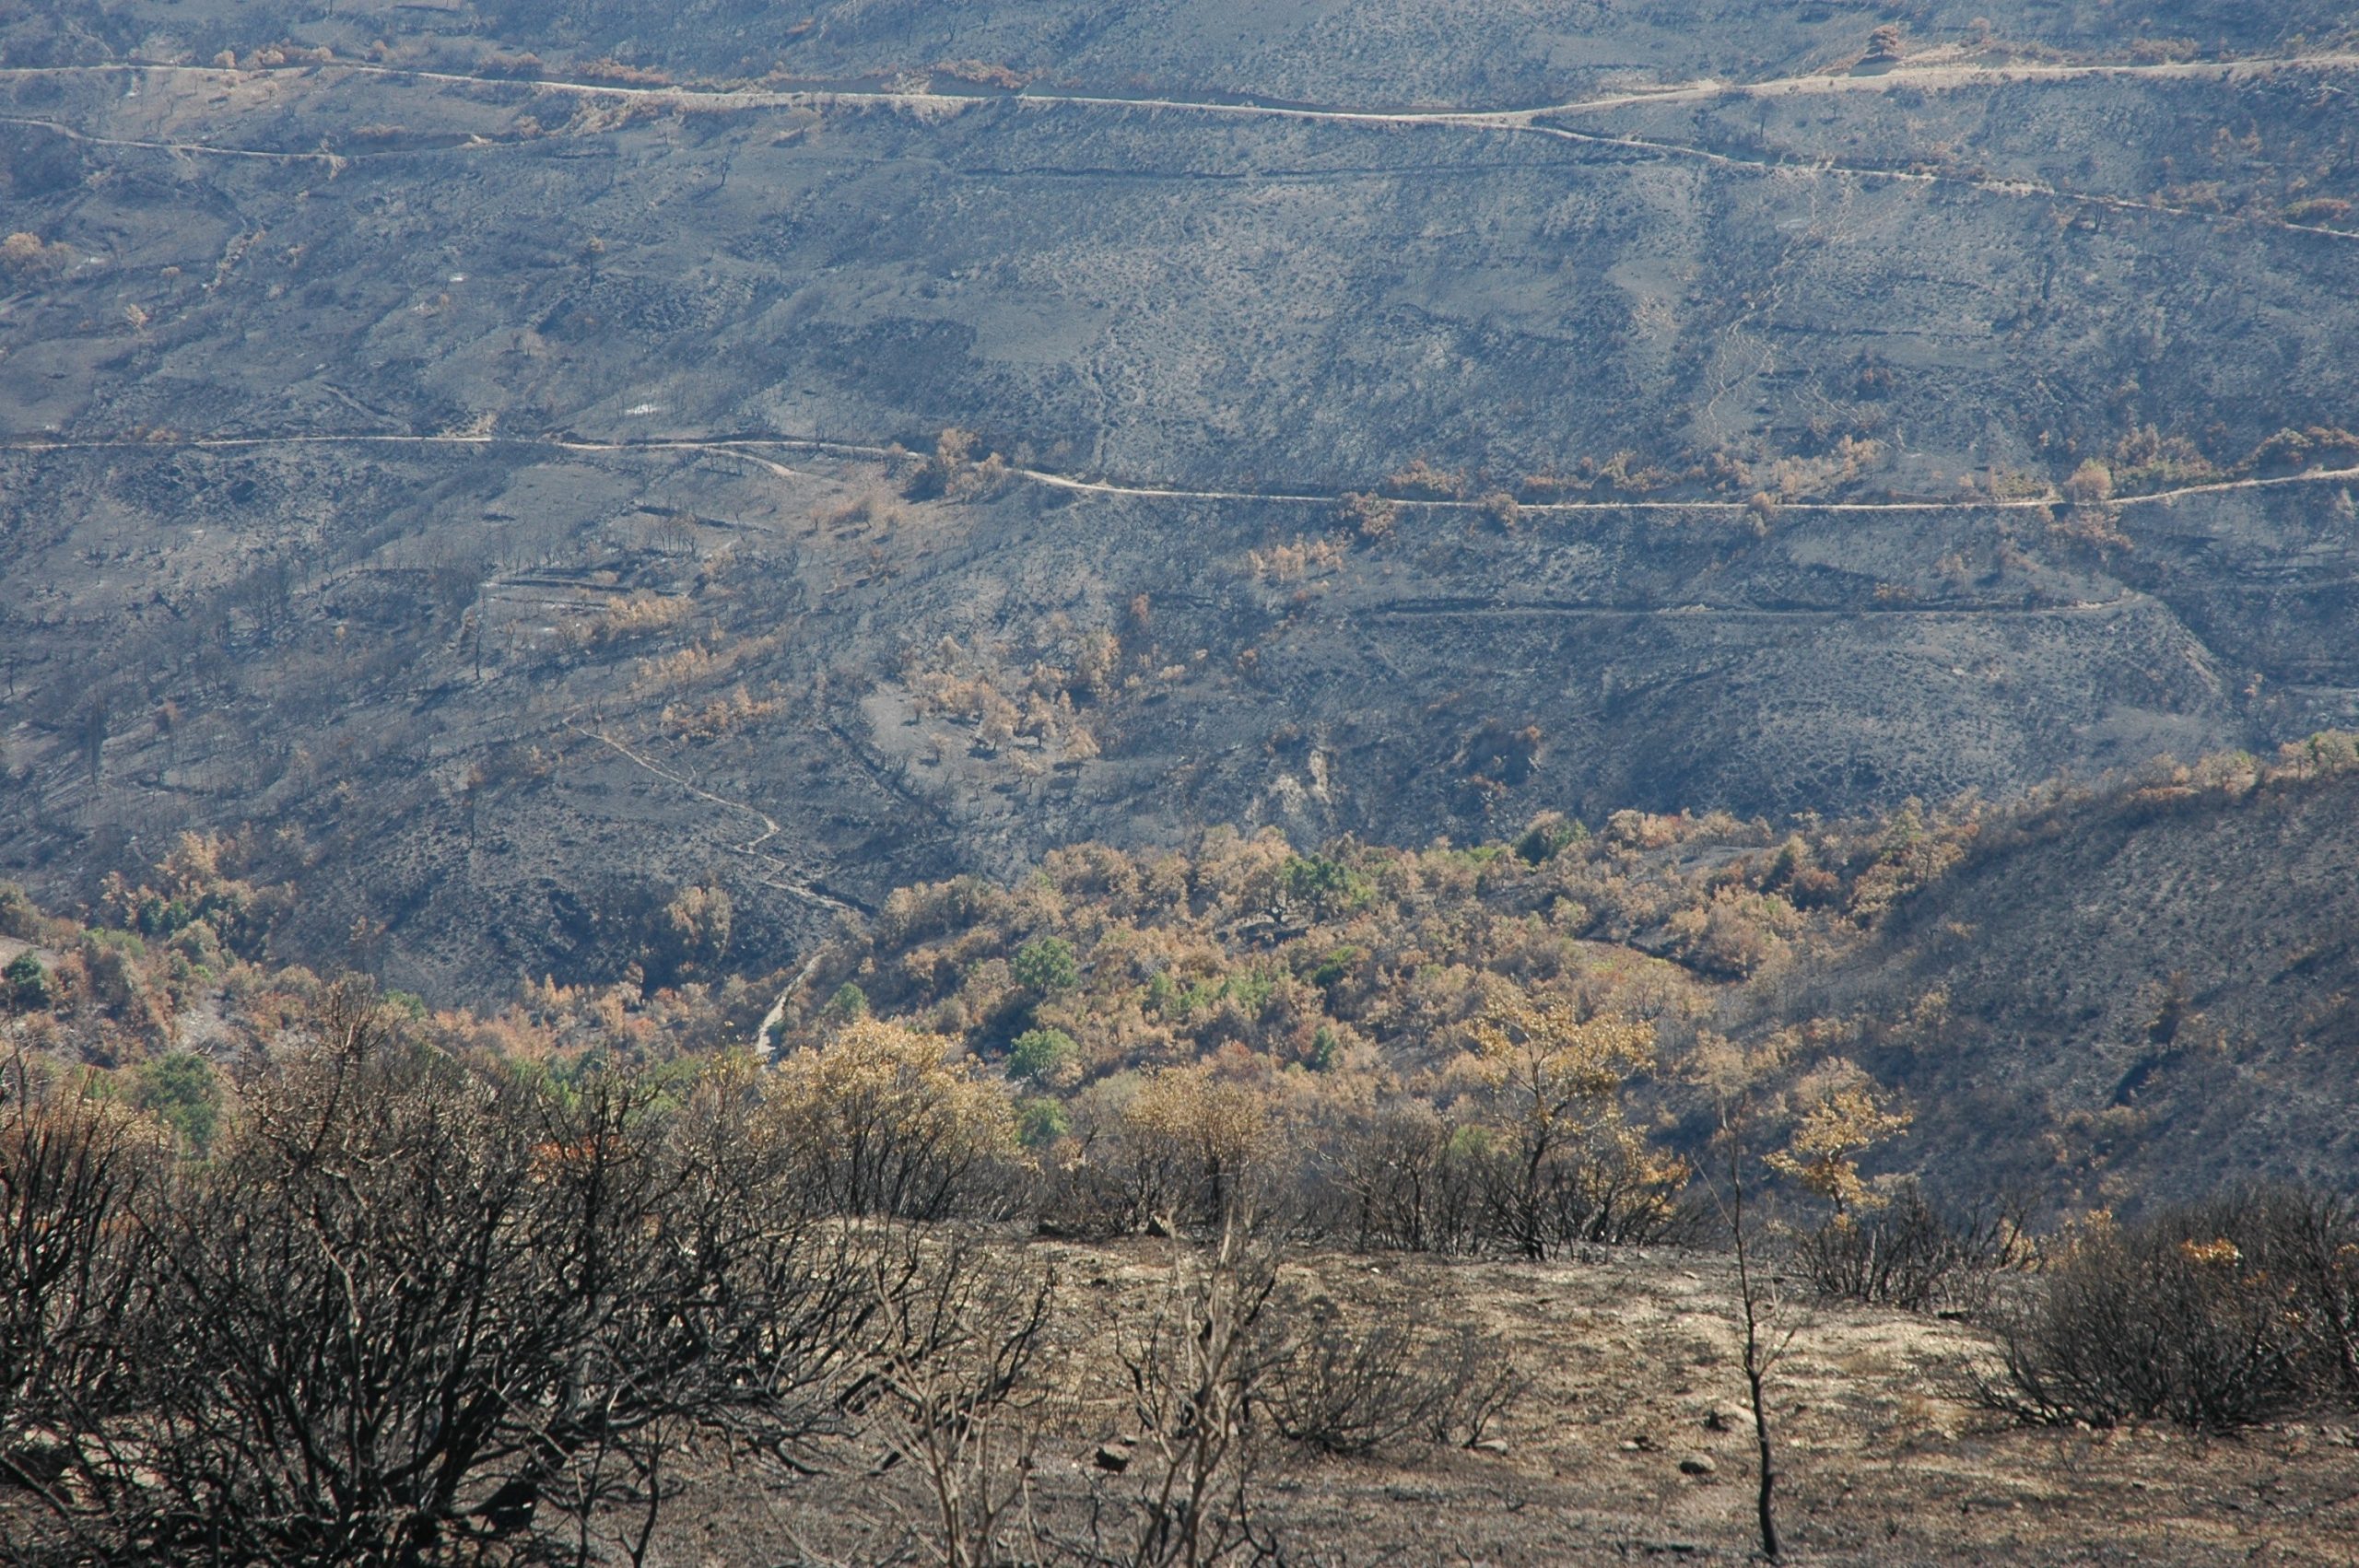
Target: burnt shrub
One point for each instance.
(1913, 1255)
(1342, 1387)
(2214, 1315)
(1402, 1179)
(417, 1307)
(70, 1267)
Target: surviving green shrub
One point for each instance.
(1043, 1056)
(25, 985)
(1042, 1123)
(182, 1090)
(1046, 966)
(1323, 885)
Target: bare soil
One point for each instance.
(1885, 1460)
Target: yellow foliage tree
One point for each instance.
(1190, 1141)
(1838, 1127)
(1569, 1167)
(888, 1119)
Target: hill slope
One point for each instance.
(2101, 998)
(2162, 984)
(2094, 999)
(372, 467)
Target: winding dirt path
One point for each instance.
(1526, 120)
(1937, 77)
(1540, 121)
(1532, 120)
(782, 880)
(1552, 609)
(1866, 174)
(741, 449)
(332, 162)
(779, 878)
(720, 446)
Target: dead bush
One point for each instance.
(2214, 1315)
(71, 1270)
(1196, 1369)
(1370, 516)
(1403, 1377)
(1405, 1181)
(1911, 1254)
(1404, 1178)
(420, 1309)
(953, 1389)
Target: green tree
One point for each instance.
(1323, 885)
(1044, 1056)
(1046, 968)
(182, 1090)
(1040, 1122)
(27, 987)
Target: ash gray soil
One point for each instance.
(551, 643)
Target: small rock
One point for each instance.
(1489, 1446)
(1698, 1465)
(1113, 1457)
(1719, 1420)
